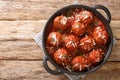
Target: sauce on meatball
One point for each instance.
(79, 63)
(71, 42)
(96, 55)
(85, 17)
(87, 43)
(78, 28)
(61, 22)
(54, 38)
(100, 35)
(62, 57)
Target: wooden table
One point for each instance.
(21, 58)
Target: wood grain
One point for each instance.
(33, 70)
(22, 30)
(43, 9)
(21, 50)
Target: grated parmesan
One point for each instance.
(63, 20)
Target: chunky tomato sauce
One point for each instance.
(77, 40)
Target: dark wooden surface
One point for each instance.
(21, 58)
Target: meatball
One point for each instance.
(96, 55)
(86, 44)
(80, 63)
(78, 28)
(85, 17)
(100, 35)
(54, 38)
(71, 42)
(60, 22)
(62, 57)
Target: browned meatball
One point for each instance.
(54, 38)
(86, 44)
(71, 42)
(100, 35)
(96, 55)
(85, 17)
(80, 63)
(62, 57)
(61, 22)
(78, 28)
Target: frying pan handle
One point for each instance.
(54, 72)
(104, 9)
